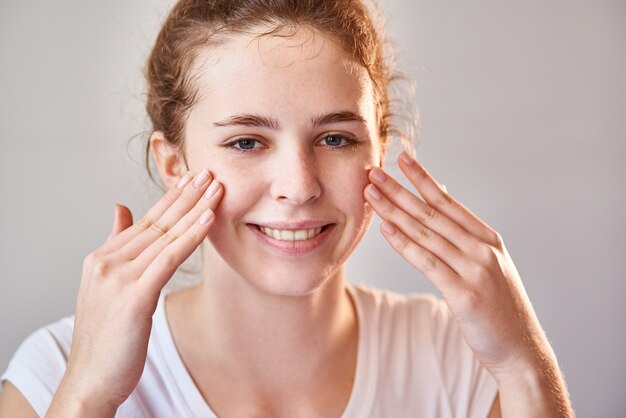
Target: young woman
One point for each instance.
(271, 119)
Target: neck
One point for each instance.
(275, 341)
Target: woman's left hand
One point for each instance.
(467, 261)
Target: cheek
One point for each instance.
(345, 186)
(240, 183)
(241, 192)
(241, 188)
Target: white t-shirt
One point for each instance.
(412, 361)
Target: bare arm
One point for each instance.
(541, 392)
(468, 262)
(119, 292)
(14, 404)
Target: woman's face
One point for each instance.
(287, 125)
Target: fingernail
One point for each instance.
(373, 191)
(206, 217)
(201, 178)
(406, 159)
(212, 189)
(378, 175)
(388, 228)
(183, 181)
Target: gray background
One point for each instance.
(523, 110)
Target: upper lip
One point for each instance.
(293, 225)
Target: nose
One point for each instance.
(296, 179)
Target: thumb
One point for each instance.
(122, 219)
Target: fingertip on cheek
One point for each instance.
(378, 176)
(373, 192)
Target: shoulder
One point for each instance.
(420, 357)
(402, 326)
(421, 310)
(39, 363)
(419, 322)
(49, 345)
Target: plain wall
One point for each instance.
(523, 109)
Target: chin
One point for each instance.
(294, 283)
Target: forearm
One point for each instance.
(68, 402)
(538, 392)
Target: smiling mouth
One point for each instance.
(290, 234)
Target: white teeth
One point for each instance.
(300, 235)
(289, 235)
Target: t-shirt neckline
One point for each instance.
(361, 396)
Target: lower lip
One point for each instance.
(295, 247)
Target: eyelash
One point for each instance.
(349, 142)
(232, 144)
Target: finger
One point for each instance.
(417, 232)
(122, 219)
(159, 261)
(163, 267)
(435, 196)
(185, 225)
(422, 212)
(191, 196)
(144, 223)
(436, 271)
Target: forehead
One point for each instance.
(291, 75)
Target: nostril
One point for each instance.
(297, 186)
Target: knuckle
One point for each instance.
(497, 240)
(90, 259)
(144, 223)
(423, 233)
(431, 263)
(102, 268)
(487, 255)
(167, 238)
(158, 229)
(429, 214)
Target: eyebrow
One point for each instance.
(250, 119)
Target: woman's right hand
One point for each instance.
(119, 291)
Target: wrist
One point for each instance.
(536, 390)
(74, 400)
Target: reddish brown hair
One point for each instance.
(193, 24)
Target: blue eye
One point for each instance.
(338, 141)
(243, 144)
